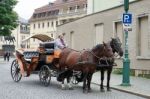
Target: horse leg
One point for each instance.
(89, 78)
(63, 80)
(102, 79)
(69, 77)
(108, 78)
(84, 82)
(62, 84)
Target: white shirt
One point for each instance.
(59, 44)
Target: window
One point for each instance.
(43, 25)
(70, 8)
(118, 31)
(34, 15)
(56, 23)
(34, 26)
(78, 7)
(65, 0)
(47, 24)
(52, 24)
(39, 15)
(143, 37)
(85, 6)
(38, 25)
(51, 35)
(99, 33)
(49, 13)
(21, 27)
(43, 14)
(72, 39)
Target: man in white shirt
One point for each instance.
(60, 43)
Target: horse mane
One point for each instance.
(98, 46)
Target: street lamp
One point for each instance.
(126, 60)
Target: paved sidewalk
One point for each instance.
(139, 86)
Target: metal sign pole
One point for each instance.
(126, 60)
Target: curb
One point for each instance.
(119, 89)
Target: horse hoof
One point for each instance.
(102, 90)
(63, 88)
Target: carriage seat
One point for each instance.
(48, 47)
(29, 54)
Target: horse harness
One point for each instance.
(100, 59)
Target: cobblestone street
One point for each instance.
(31, 88)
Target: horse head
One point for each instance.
(116, 46)
(103, 50)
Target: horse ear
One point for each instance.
(104, 43)
(112, 38)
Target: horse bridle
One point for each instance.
(115, 47)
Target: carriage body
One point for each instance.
(40, 59)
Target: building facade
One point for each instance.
(45, 19)
(21, 33)
(100, 5)
(86, 32)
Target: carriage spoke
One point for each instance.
(44, 75)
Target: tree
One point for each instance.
(8, 17)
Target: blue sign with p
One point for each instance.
(127, 18)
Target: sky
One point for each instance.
(25, 8)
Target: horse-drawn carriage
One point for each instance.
(46, 59)
(41, 59)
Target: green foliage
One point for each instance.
(8, 18)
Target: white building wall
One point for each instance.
(100, 5)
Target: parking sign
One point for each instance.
(127, 18)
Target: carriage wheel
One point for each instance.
(15, 71)
(74, 80)
(45, 75)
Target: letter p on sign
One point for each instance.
(127, 18)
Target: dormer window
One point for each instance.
(70, 8)
(64, 0)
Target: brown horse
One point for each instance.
(84, 61)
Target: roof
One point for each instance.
(41, 37)
(56, 5)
